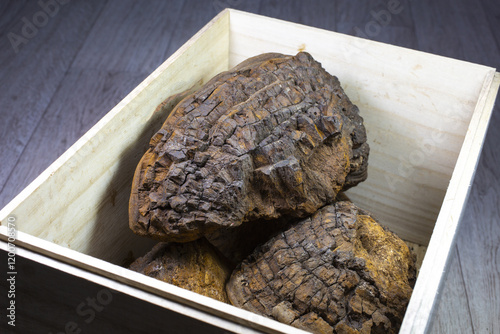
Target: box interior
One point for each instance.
(417, 108)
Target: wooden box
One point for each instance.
(426, 118)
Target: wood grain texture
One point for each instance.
(419, 252)
(492, 11)
(82, 98)
(303, 12)
(468, 37)
(194, 15)
(478, 241)
(454, 311)
(31, 76)
(394, 119)
(159, 293)
(142, 31)
(48, 300)
(377, 20)
(458, 30)
(9, 11)
(102, 162)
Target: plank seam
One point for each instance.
(167, 48)
(414, 27)
(97, 17)
(49, 104)
(465, 288)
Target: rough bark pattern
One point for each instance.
(336, 272)
(237, 243)
(274, 137)
(195, 266)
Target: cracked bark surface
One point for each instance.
(338, 271)
(274, 137)
(195, 266)
(237, 243)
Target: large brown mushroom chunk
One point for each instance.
(336, 272)
(195, 266)
(274, 137)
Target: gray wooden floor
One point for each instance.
(60, 78)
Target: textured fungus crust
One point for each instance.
(237, 243)
(195, 266)
(336, 272)
(274, 137)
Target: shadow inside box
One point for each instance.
(112, 240)
(49, 301)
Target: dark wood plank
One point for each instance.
(48, 300)
(9, 13)
(245, 5)
(452, 304)
(31, 76)
(304, 12)
(130, 36)
(43, 111)
(82, 99)
(457, 29)
(378, 21)
(195, 14)
(478, 239)
(463, 30)
(491, 9)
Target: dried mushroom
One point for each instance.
(195, 266)
(338, 271)
(274, 137)
(237, 243)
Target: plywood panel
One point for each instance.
(172, 298)
(415, 113)
(96, 172)
(427, 287)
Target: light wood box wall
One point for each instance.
(426, 118)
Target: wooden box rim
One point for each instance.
(419, 312)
